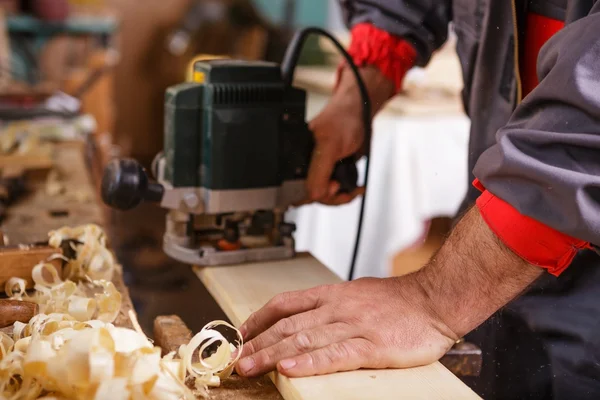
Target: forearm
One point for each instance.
(472, 276)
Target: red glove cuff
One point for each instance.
(531, 240)
(392, 55)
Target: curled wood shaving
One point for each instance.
(92, 258)
(15, 288)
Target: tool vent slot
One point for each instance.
(241, 94)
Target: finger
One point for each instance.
(324, 158)
(344, 198)
(302, 342)
(302, 203)
(334, 188)
(348, 355)
(287, 327)
(281, 306)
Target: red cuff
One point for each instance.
(392, 55)
(531, 240)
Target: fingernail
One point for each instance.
(287, 364)
(333, 189)
(246, 365)
(243, 331)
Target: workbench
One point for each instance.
(239, 290)
(32, 216)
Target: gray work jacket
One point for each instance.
(541, 154)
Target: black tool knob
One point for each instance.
(125, 185)
(287, 229)
(346, 174)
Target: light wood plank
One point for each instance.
(241, 290)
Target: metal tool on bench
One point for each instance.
(236, 156)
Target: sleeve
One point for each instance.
(422, 23)
(544, 170)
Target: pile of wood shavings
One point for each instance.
(57, 296)
(71, 350)
(56, 357)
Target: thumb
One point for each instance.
(324, 158)
(348, 355)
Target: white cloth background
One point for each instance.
(418, 171)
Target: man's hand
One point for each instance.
(368, 323)
(339, 132)
(395, 322)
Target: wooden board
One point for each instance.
(241, 290)
(27, 161)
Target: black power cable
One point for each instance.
(288, 66)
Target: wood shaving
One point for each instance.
(72, 350)
(93, 260)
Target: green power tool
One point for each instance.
(236, 154)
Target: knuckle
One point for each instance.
(262, 359)
(363, 348)
(250, 323)
(334, 354)
(303, 342)
(285, 327)
(279, 301)
(369, 353)
(248, 348)
(343, 351)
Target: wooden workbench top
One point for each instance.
(36, 213)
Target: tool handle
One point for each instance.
(125, 185)
(346, 174)
(12, 311)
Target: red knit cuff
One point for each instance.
(531, 240)
(392, 55)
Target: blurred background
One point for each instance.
(117, 57)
